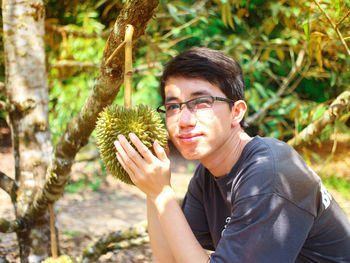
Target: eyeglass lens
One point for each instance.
(194, 104)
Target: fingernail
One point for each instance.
(132, 135)
(116, 143)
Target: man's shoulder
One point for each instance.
(268, 150)
(260, 154)
(271, 143)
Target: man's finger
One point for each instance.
(130, 151)
(160, 152)
(142, 149)
(125, 160)
(123, 164)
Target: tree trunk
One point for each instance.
(39, 179)
(106, 88)
(27, 93)
(340, 106)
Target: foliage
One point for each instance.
(69, 86)
(294, 59)
(81, 184)
(267, 38)
(339, 184)
(264, 38)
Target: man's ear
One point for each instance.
(239, 109)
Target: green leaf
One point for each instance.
(337, 7)
(319, 112)
(99, 3)
(333, 79)
(176, 31)
(314, 16)
(303, 19)
(173, 12)
(306, 27)
(261, 89)
(71, 233)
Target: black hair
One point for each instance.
(211, 65)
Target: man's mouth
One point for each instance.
(189, 137)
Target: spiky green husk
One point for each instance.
(114, 120)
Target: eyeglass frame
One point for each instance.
(159, 110)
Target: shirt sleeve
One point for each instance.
(196, 218)
(263, 228)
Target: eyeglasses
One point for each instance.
(197, 104)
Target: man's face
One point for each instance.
(198, 134)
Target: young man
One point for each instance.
(251, 199)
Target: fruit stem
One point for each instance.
(53, 232)
(128, 72)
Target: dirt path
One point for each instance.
(86, 215)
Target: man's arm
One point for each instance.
(181, 240)
(159, 244)
(151, 174)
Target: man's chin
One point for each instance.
(189, 152)
(190, 155)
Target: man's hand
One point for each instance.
(172, 239)
(151, 174)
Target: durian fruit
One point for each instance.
(114, 120)
(61, 259)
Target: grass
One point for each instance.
(82, 184)
(72, 233)
(341, 185)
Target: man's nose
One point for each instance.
(187, 117)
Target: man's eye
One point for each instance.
(202, 102)
(171, 107)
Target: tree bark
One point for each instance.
(63, 29)
(107, 85)
(338, 107)
(27, 94)
(11, 226)
(8, 185)
(27, 91)
(135, 235)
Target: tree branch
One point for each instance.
(132, 236)
(8, 184)
(3, 106)
(194, 9)
(88, 64)
(73, 64)
(64, 29)
(335, 27)
(115, 52)
(179, 28)
(113, 241)
(285, 84)
(2, 86)
(7, 226)
(107, 85)
(338, 107)
(342, 20)
(137, 241)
